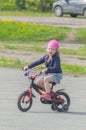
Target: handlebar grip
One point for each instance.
(25, 73)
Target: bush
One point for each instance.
(20, 4)
(32, 5)
(40, 5)
(7, 5)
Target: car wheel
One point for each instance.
(84, 13)
(58, 11)
(73, 15)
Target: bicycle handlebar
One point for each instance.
(32, 73)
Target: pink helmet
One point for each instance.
(53, 43)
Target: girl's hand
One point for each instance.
(44, 70)
(25, 68)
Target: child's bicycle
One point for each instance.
(60, 100)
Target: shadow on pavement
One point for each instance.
(70, 113)
(77, 113)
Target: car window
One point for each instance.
(77, 0)
(81, 0)
(72, 0)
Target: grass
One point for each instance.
(26, 13)
(81, 58)
(31, 37)
(74, 69)
(27, 32)
(81, 35)
(32, 13)
(26, 47)
(14, 63)
(81, 51)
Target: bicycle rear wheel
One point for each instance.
(63, 102)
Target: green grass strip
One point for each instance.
(74, 69)
(13, 63)
(81, 51)
(27, 32)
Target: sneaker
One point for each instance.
(46, 96)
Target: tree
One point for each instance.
(35, 5)
(45, 5)
(21, 4)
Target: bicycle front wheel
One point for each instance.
(24, 102)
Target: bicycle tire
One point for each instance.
(20, 102)
(65, 105)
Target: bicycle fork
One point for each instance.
(29, 92)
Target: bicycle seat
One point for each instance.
(53, 83)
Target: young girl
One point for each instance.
(52, 71)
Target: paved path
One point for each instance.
(58, 21)
(40, 117)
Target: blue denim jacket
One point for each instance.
(53, 65)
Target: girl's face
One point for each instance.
(51, 51)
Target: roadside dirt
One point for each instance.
(56, 21)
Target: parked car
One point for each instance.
(72, 7)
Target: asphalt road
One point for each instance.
(40, 117)
(57, 21)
